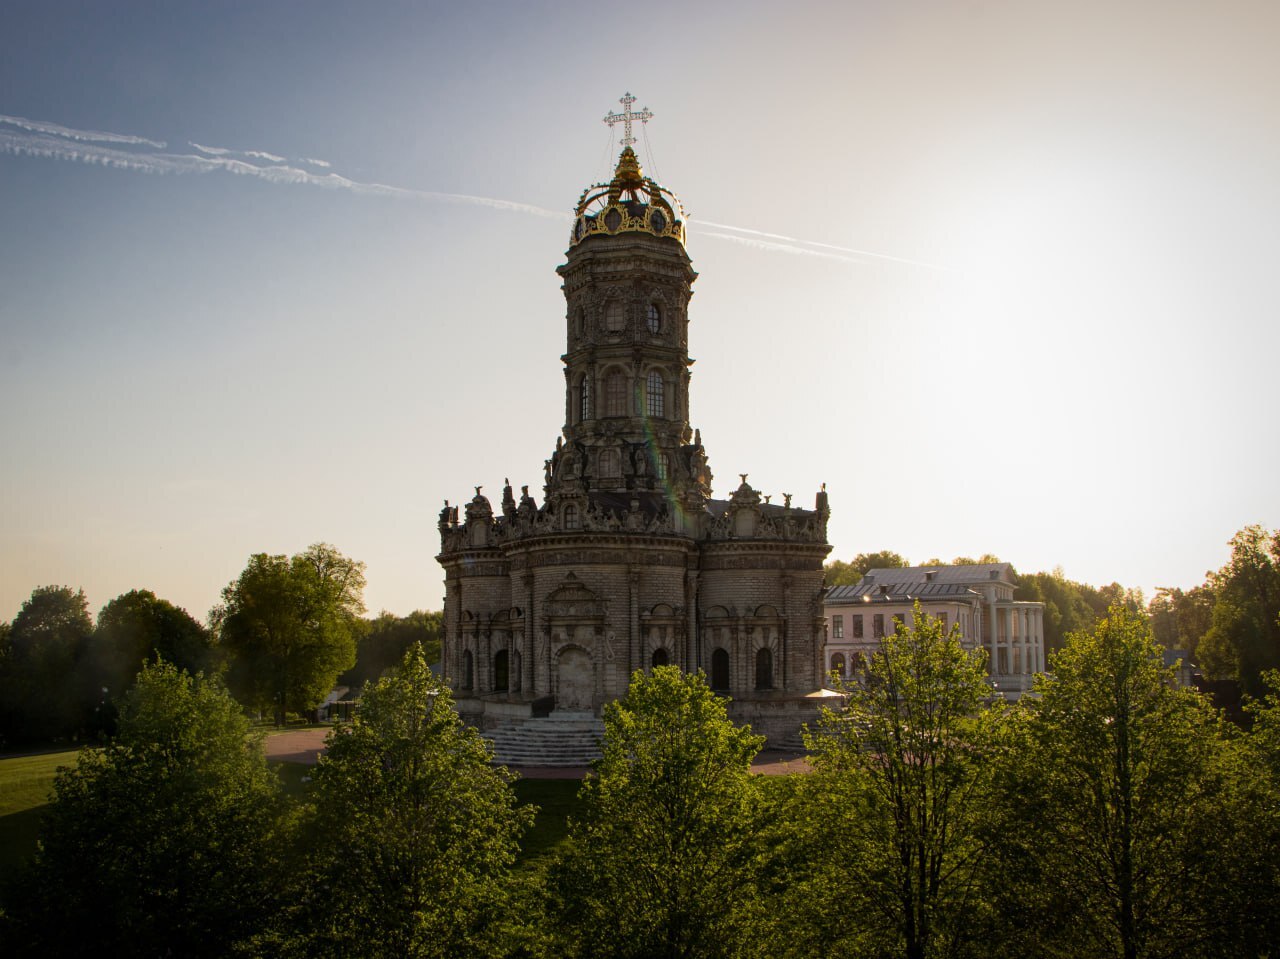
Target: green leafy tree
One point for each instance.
(383, 641)
(1244, 639)
(840, 573)
(902, 764)
(137, 627)
(289, 627)
(1180, 618)
(45, 689)
(1255, 899)
(1069, 606)
(964, 560)
(414, 831)
(162, 843)
(1125, 819)
(664, 859)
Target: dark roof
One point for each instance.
(865, 592)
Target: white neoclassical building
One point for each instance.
(978, 598)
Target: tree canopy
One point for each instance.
(414, 832)
(136, 627)
(162, 843)
(382, 642)
(903, 762)
(45, 689)
(1243, 640)
(1125, 814)
(289, 627)
(663, 861)
(840, 573)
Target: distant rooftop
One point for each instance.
(906, 583)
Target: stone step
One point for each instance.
(564, 741)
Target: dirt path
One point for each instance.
(306, 745)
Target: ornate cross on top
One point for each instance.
(625, 118)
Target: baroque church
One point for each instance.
(628, 562)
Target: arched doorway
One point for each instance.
(764, 668)
(720, 670)
(576, 681)
(501, 671)
(660, 657)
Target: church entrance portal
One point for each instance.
(576, 684)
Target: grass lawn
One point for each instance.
(26, 782)
(25, 785)
(557, 800)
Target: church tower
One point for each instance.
(627, 284)
(629, 562)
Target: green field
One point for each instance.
(25, 785)
(27, 781)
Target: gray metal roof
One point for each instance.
(865, 592)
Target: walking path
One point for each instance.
(306, 745)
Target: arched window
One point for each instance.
(837, 665)
(610, 467)
(581, 320)
(615, 316)
(653, 318)
(660, 657)
(720, 670)
(764, 668)
(615, 395)
(571, 517)
(500, 671)
(468, 670)
(655, 391)
(584, 400)
(663, 465)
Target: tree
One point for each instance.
(162, 842)
(1256, 900)
(964, 560)
(1125, 817)
(414, 830)
(1069, 606)
(905, 757)
(1180, 618)
(289, 627)
(664, 860)
(839, 573)
(383, 641)
(1244, 639)
(137, 627)
(45, 691)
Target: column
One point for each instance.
(1041, 658)
(993, 639)
(529, 664)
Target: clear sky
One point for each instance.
(1002, 275)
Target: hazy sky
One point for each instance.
(257, 289)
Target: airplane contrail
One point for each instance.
(39, 138)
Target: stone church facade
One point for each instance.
(628, 562)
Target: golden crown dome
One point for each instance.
(629, 203)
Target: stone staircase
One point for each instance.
(561, 739)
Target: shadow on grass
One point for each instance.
(557, 800)
(18, 833)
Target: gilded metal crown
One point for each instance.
(629, 203)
